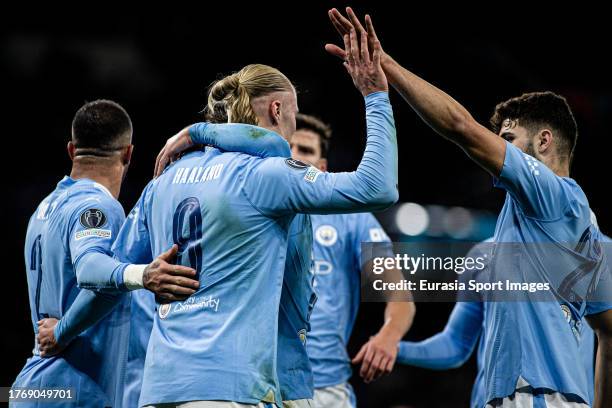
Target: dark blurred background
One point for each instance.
(159, 62)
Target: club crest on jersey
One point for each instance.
(92, 218)
(302, 336)
(326, 235)
(296, 164)
(164, 310)
(566, 313)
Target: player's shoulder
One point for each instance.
(87, 197)
(275, 166)
(576, 203)
(574, 189)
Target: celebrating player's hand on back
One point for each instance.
(168, 281)
(174, 146)
(362, 58)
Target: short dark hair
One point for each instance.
(316, 125)
(537, 109)
(100, 127)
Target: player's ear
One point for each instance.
(322, 164)
(71, 148)
(274, 110)
(545, 139)
(127, 155)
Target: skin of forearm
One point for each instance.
(603, 371)
(601, 323)
(398, 319)
(439, 110)
(447, 117)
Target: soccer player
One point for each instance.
(337, 280)
(529, 154)
(337, 268)
(230, 214)
(68, 245)
(297, 297)
(452, 347)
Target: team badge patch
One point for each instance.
(93, 232)
(326, 235)
(296, 164)
(164, 310)
(92, 218)
(312, 174)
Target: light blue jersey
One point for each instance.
(337, 270)
(297, 301)
(76, 222)
(551, 215)
(231, 214)
(297, 298)
(143, 309)
(453, 346)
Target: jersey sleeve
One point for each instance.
(279, 187)
(450, 348)
(540, 193)
(88, 308)
(93, 225)
(238, 137)
(133, 243)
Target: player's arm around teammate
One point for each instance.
(103, 278)
(373, 186)
(168, 281)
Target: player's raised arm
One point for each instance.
(278, 186)
(440, 111)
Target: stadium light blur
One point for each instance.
(411, 219)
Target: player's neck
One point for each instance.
(559, 166)
(560, 169)
(107, 172)
(274, 128)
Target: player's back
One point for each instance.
(222, 337)
(52, 287)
